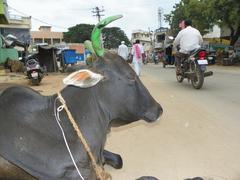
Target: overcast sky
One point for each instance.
(62, 14)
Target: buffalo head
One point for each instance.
(126, 96)
(119, 90)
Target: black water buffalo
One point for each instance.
(31, 139)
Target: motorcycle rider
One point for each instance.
(188, 39)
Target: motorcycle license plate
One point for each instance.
(34, 74)
(202, 62)
(210, 58)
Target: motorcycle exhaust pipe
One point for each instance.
(209, 73)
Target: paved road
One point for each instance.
(198, 135)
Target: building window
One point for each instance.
(55, 41)
(38, 40)
(160, 37)
(47, 40)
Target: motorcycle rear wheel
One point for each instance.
(35, 82)
(198, 79)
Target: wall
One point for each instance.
(8, 53)
(47, 36)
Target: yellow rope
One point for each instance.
(100, 173)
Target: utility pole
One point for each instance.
(150, 34)
(151, 40)
(97, 12)
(160, 14)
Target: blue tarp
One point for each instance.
(69, 56)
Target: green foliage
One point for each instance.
(226, 13)
(205, 13)
(190, 9)
(78, 33)
(112, 36)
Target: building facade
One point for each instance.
(145, 38)
(18, 26)
(160, 36)
(45, 35)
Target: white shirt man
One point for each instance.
(189, 39)
(123, 50)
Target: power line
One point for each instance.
(36, 19)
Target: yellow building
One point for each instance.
(45, 35)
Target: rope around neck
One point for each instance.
(100, 173)
(57, 117)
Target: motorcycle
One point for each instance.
(194, 68)
(211, 57)
(168, 58)
(34, 71)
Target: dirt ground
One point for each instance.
(186, 142)
(50, 84)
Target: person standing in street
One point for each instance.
(137, 52)
(123, 50)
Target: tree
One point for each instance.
(112, 37)
(196, 10)
(78, 33)
(226, 13)
(205, 13)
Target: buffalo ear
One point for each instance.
(83, 78)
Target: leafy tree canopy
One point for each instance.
(112, 36)
(226, 13)
(190, 9)
(78, 33)
(205, 13)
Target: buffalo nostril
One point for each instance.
(161, 110)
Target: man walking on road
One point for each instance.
(123, 50)
(137, 52)
(188, 39)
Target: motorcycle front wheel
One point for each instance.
(164, 65)
(179, 77)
